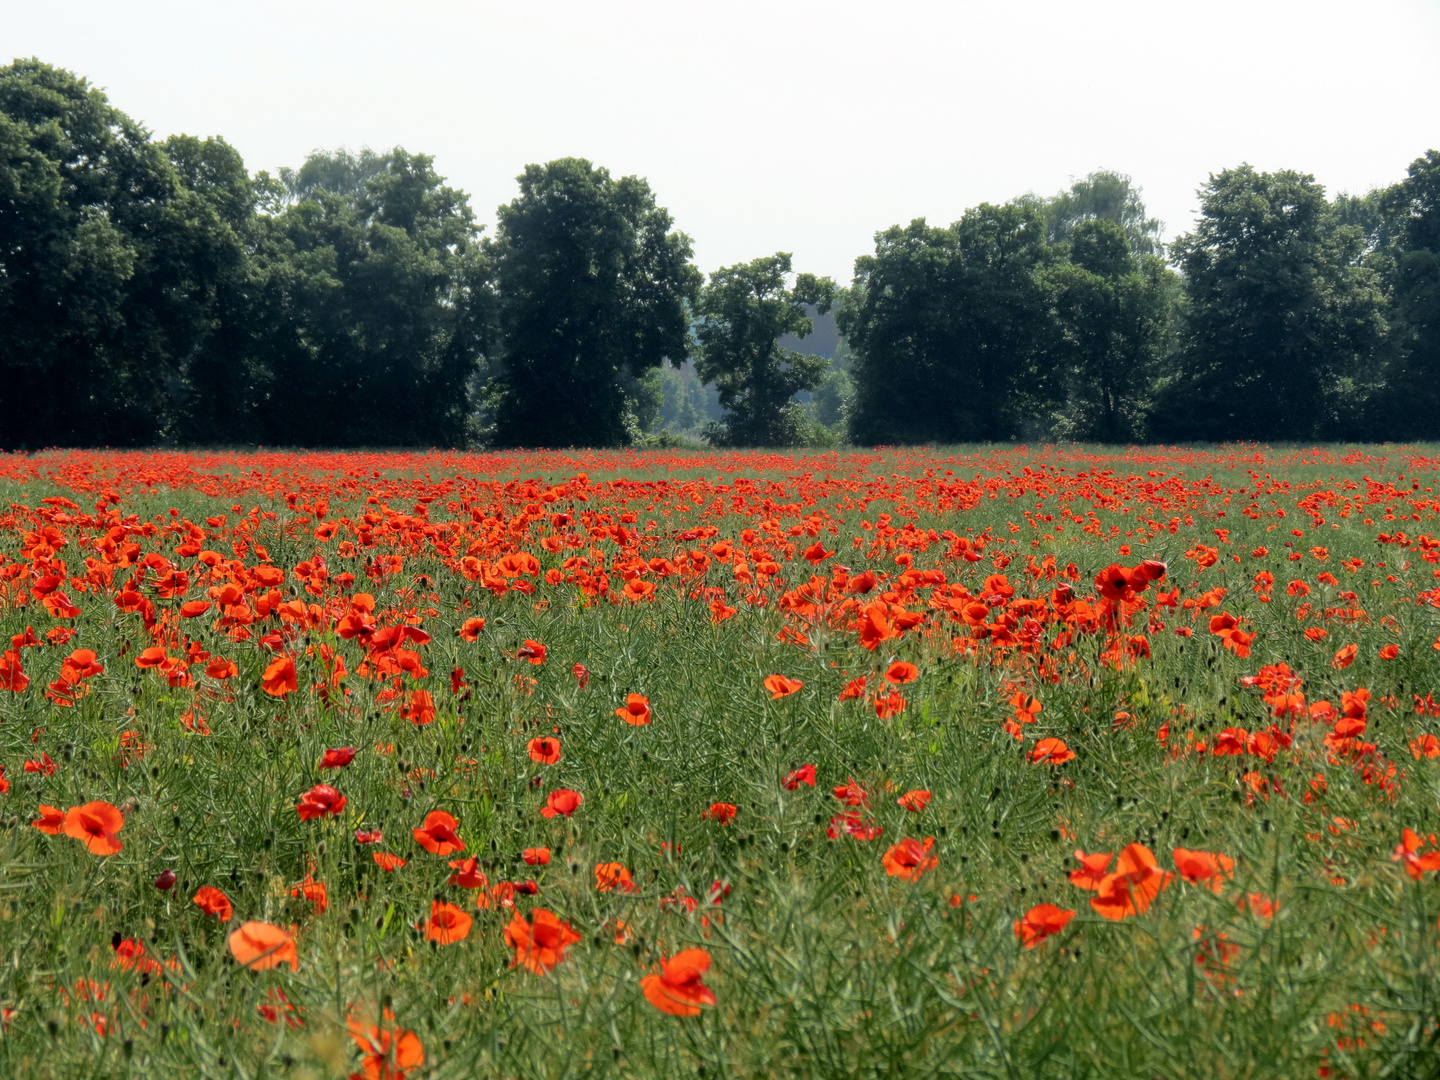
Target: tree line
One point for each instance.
(154, 291)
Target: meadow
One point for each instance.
(973, 762)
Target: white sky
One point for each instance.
(776, 125)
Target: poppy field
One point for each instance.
(980, 762)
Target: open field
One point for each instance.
(846, 722)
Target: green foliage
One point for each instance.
(947, 325)
(591, 287)
(1410, 405)
(742, 313)
(1103, 196)
(1114, 315)
(1281, 315)
(111, 260)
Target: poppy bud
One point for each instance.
(166, 881)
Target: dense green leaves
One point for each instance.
(947, 325)
(591, 291)
(1283, 322)
(743, 312)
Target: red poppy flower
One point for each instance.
(387, 862)
(532, 651)
(613, 875)
(260, 946)
(1207, 868)
(722, 813)
(561, 801)
(437, 835)
(545, 750)
(679, 988)
(279, 678)
(320, 800)
(1051, 752)
(447, 923)
(1040, 922)
(536, 856)
(803, 775)
(193, 608)
(910, 858)
(852, 794)
(338, 758)
(95, 825)
(367, 836)
(539, 944)
(1134, 885)
(471, 629)
(901, 672)
(780, 686)
(636, 710)
(214, 902)
(914, 801)
(816, 553)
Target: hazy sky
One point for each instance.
(776, 125)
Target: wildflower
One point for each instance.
(816, 553)
(910, 858)
(279, 678)
(613, 875)
(536, 856)
(1408, 853)
(1345, 657)
(314, 891)
(582, 676)
(803, 775)
(679, 988)
(260, 946)
(368, 836)
(1389, 652)
(780, 686)
(1133, 886)
(320, 800)
(1426, 746)
(468, 874)
(471, 629)
(1093, 869)
(95, 825)
(214, 902)
(1204, 868)
(722, 813)
(914, 801)
(386, 1055)
(1051, 752)
(1040, 922)
(387, 862)
(901, 672)
(852, 824)
(889, 705)
(447, 923)
(539, 944)
(437, 835)
(561, 801)
(545, 750)
(635, 711)
(852, 794)
(532, 651)
(338, 758)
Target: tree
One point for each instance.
(947, 327)
(372, 311)
(1282, 320)
(1410, 407)
(1113, 312)
(107, 266)
(1103, 196)
(742, 313)
(591, 289)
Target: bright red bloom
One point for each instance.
(95, 825)
(280, 677)
(532, 651)
(539, 944)
(914, 801)
(636, 710)
(1134, 885)
(536, 856)
(561, 801)
(1204, 868)
(721, 813)
(803, 775)
(1040, 922)
(1051, 752)
(338, 758)
(447, 923)
(780, 686)
(437, 835)
(910, 858)
(901, 672)
(320, 800)
(545, 750)
(679, 988)
(214, 902)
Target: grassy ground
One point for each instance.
(1313, 953)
